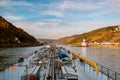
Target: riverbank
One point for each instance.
(1, 48)
(4, 46)
(115, 46)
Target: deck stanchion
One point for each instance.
(3, 76)
(115, 76)
(102, 72)
(84, 67)
(89, 68)
(108, 74)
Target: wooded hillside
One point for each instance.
(11, 36)
(106, 34)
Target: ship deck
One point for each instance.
(84, 71)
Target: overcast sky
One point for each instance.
(53, 19)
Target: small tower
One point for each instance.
(84, 43)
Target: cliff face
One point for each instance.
(106, 34)
(11, 36)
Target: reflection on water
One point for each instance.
(17, 52)
(84, 51)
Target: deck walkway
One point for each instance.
(85, 72)
(81, 74)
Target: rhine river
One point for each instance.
(107, 57)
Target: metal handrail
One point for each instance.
(109, 73)
(93, 64)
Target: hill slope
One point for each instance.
(46, 41)
(108, 34)
(11, 36)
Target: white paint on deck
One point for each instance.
(88, 73)
(81, 73)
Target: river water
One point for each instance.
(107, 57)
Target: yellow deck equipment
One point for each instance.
(93, 64)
